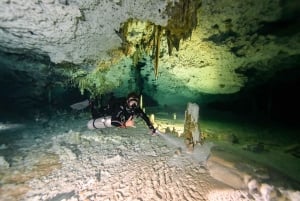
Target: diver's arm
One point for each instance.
(143, 115)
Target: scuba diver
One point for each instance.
(118, 113)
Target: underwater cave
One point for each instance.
(237, 63)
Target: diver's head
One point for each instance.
(132, 100)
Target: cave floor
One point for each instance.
(57, 158)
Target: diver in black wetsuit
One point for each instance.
(119, 114)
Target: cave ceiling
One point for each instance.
(164, 49)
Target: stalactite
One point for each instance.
(154, 38)
(157, 48)
(122, 33)
(182, 21)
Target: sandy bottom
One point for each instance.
(59, 159)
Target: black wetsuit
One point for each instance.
(120, 113)
(120, 116)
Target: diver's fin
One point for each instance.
(80, 105)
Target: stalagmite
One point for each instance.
(191, 128)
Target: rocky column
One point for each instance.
(191, 128)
